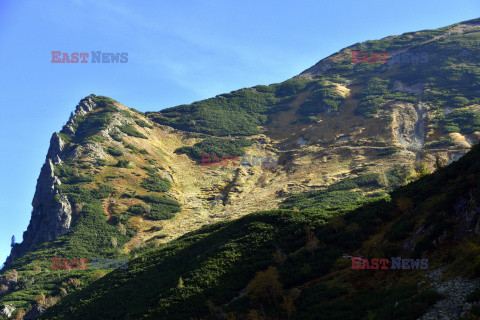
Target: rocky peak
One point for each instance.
(85, 106)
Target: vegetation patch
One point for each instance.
(156, 183)
(462, 121)
(114, 151)
(88, 126)
(236, 113)
(216, 147)
(131, 131)
(323, 100)
(143, 124)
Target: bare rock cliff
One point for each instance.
(52, 212)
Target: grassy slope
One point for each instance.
(217, 262)
(451, 77)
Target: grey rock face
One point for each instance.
(454, 291)
(52, 212)
(409, 125)
(85, 106)
(7, 311)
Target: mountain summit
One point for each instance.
(328, 152)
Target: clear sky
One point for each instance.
(178, 52)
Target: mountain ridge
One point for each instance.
(118, 182)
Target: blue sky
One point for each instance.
(178, 52)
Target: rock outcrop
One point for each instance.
(7, 311)
(52, 212)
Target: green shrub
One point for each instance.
(88, 126)
(153, 198)
(65, 171)
(114, 151)
(122, 217)
(387, 151)
(441, 143)
(104, 191)
(160, 215)
(372, 97)
(101, 162)
(122, 163)
(236, 113)
(139, 209)
(65, 137)
(155, 183)
(131, 131)
(459, 101)
(463, 121)
(150, 170)
(79, 179)
(116, 137)
(95, 138)
(131, 147)
(321, 101)
(366, 180)
(91, 235)
(76, 193)
(143, 124)
(127, 114)
(155, 229)
(105, 102)
(321, 199)
(217, 147)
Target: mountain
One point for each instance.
(296, 264)
(313, 172)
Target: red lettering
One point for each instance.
(366, 264)
(383, 262)
(364, 57)
(374, 264)
(384, 56)
(83, 55)
(355, 58)
(225, 160)
(83, 263)
(75, 57)
(55, 58)
(374, 58)
(65, 264)
(233, 158)
(206, 157)
(74, 264)
(56, 263)
(356, 263)
(215, 159)
(65, 58)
